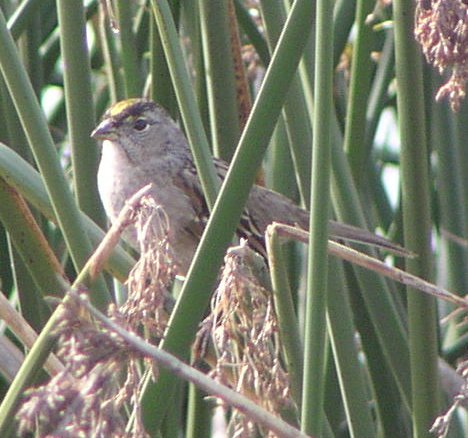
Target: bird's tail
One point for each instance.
(350, 233)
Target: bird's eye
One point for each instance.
(140, 124)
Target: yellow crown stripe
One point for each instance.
(121, 106)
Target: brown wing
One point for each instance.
(265, 206)
(190, 184)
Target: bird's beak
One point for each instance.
(104, 131)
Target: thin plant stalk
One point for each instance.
(343, 18)
(20, 18)
(186, 99)
(111, 57)
(376, 293)
(226, 214)
(221, 86)
(297, 122)
(287, 319)
(199, 413)
(359, 92)
(80, 108)
(416, 218)
(129, 55)
(346, 355)
(161, 89)
(30, 242)
(251, 30)
(43, 148)
(315, 332)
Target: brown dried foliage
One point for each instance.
(442, 30)
(244, 332)
(102, 372)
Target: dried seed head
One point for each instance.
(243, 329)
(154, 272)
(442, 30)
(442, 423)
(81, 399)
(102, 372)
